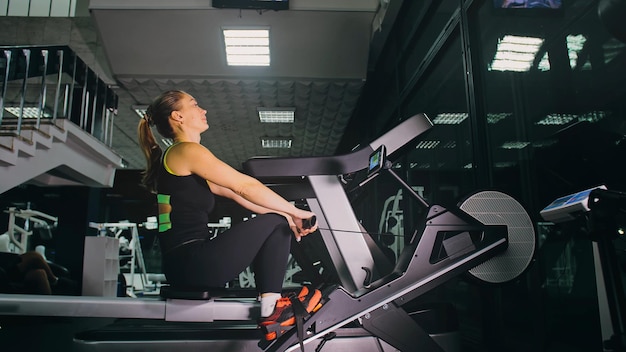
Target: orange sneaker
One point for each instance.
(283, 317)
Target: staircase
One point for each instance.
(67, 141)
(57, 153)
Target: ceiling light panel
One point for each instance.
(557, 119)
(140, 110)
(564, 119)
(515, 53)
(493, 118)
(575, 44)
(450, 118)
(279, 143)
(276, 115)
(247, 46)
(27, 112)
(515, 145)
(427, 144)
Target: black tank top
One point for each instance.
(191, 202)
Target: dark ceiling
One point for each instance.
(320, 51)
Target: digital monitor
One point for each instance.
(529, 8)
(377, 160)
(565, 208)
(528, 4)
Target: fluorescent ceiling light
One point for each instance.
(427, 144)
(575, 44)
(518, 53)
(493, 118)
(247, 47)
(280, 143)
(514, 145)
(504, 164)
(450, 118)
(276, 115)
(593, 116)
(29, 112)
(544, 63)
(515, 53)
(140, 110)
(449, 145)
(456, 118)
(557, 119)
(419, 166)
(564, 119)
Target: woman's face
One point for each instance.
(193, 115)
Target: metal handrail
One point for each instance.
(26, 64)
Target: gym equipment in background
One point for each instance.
(603, 213)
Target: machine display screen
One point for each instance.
(377, 160)
(564, 208)
(570, 199)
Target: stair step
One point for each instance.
(3, 146)
(6, 140)
(12, 123)
(53, 149)
(8, 156)
(41, 137)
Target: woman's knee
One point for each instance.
(273, 220)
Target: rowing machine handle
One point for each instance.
(308, 223)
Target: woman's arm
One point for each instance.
(188, 158)
(225, 192)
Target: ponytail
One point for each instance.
(151, 151)
(157, 115)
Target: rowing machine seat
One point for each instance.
(203, 293)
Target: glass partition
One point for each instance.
(550, 84)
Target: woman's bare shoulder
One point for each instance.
(188, 147)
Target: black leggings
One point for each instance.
(263, 242)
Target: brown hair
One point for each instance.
(157, 114)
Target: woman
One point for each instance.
(185, 178)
